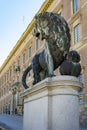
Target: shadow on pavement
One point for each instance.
(4, 126)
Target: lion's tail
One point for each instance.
(25, 75)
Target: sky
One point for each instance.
(15, 16)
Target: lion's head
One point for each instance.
(73, 56)
(53, 28)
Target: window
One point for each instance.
(77, 33)
(10, 72)
(24, 58)
(75, 5)
(37, 44)
(30, 51)
(7, 76)
(13, 68)
(18, 62)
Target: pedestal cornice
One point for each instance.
(49, 85)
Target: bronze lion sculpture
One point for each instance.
(52, 28)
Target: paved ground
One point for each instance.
(83, 118)
(81, 128)
(15, 122)
(11, 122)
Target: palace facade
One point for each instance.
(75, 13)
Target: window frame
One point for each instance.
(75, 22)
(77, 33)
(24, 58)
(72, 6)
(19, 62)
(75, 6)
(37, 44)
(30, 51)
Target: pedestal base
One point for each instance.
(52, 104)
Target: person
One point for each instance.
(6, 110)
(15, 110)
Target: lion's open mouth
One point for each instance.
(37, 34)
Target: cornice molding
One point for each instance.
(43, 8)
(75, 16)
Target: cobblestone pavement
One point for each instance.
(11, 122)
(83, 118)
(83, 128)
(15, 122)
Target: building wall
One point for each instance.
(10, 77)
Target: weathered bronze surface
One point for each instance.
(52, 28)
(71, 65)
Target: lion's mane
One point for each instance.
(54, 29)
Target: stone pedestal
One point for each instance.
(52, 104)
